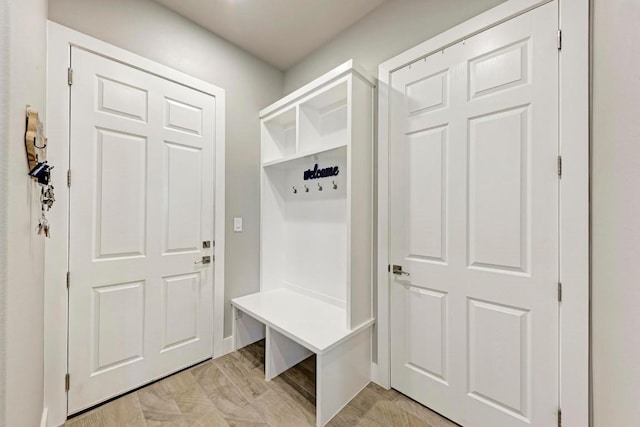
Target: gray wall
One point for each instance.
(4, 191)
(23, 69)
(615, 213)
(392, 28)
(153, 31)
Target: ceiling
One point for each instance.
(280, 32)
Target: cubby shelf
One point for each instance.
(316, 271)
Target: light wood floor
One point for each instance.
(231, 391)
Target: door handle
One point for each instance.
(397, 269)
(205, 260)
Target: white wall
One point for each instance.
(153, 31)
(616, 213)
(22, 279)
(392, 28)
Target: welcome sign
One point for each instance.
(316, 172)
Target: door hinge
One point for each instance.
(67, 382)
(559, 418)
(559, 292)
(560, 166)
(559, 39)
(69, 76)
(68, 177)
(389, 268)
(68, 279)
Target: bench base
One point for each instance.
(343, 369)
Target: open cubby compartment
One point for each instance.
(324, 118)
(279, 135)
(304, 228)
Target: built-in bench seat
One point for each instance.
(295, 326)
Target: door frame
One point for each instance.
(574, 189)
(60, 39)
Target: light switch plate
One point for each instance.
(237, 225)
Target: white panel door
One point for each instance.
(141, 205)
(474, 226)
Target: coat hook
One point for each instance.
(319, 187)
(306, 189)
(335, 186)
(295, 190)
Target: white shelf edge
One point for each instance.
(301, 155)
(354, 331)
(348, 333)
(339, 71)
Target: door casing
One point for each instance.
(60, 40)
(574, 190)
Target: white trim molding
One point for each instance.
(44, 419)
(574, 213)
(574, 204)
(60, 40)
(227, 346)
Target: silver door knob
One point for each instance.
(205, 260)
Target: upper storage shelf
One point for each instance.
(311, 120)
(279, 135)
(323, 119)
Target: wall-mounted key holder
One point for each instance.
(34, 139)
(39, 169)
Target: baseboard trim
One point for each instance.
(227, 345)
(378, 378)
(44, 420)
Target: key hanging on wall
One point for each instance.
(43, 226)
(47, 198)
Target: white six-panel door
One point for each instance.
(474, 226)
(141, 206)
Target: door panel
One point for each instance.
(500, 69)
(474, 217)
(141, 204)
(120, 195)
(426, 333)
(183, 182)
(181, 304)
(121, 99)
(499, 356)
(427, 201)
(117, 307)
(498, 190)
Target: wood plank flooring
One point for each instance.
(231, 391)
